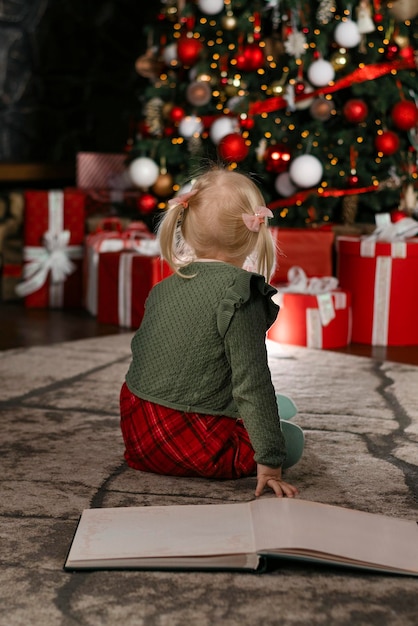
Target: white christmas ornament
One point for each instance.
(320, 73)
(347, 34)
(143, 172)
(169, 53)
(221, 127)
(295, 44)
(284, 185)
(190, 125)
(306, 171)
(210, 7)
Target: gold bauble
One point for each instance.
(402, 41)
(276, 89)
(229, 21)
(339, 59)
(403, 10)
(163, 186)
(166, 110)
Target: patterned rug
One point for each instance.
(61, 452)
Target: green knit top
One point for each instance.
(201, 347)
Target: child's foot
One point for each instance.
(295, 442)
(287, 408)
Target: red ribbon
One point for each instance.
(301, 196)
(360, 75)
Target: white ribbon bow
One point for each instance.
(298, 282)
(53, 258)
(394, 231)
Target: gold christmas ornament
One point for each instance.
(163, 186)
(340, 59)
(276, 88)
(321, 109)
(199, 93)
(229, 21)
(166, 110)
(403, 10)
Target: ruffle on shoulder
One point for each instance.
(244, 285)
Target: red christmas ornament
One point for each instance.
(407, 53)
(352, 180)
(250, 59)
(392, 51)
(299, 88)
(246, 123)
(396, 215)
(233, 148)
(277, 158)
(387, 143)
(188, 50)
(355, 111)
(405, 114)
(176, 114)
(146, 203)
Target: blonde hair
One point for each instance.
(210, 223)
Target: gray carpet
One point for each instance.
(61, 452)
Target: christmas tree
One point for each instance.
(316, 99)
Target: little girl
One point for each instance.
(198, 399)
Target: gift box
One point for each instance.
(314, 312)
(11, 243)
(111, 235)
(96, 170)
(53, 249)
(383, 279)
(308, 248)
(124, 282)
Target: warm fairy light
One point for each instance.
(267, 134)
(284, 212)
(305, 134)
(263, 87)
(210, 43)
(213, 66)
(219, 41)
(203, 20)
(231, 46)
(261, 71)
(216, 56)
(264, 116)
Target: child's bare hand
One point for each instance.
(272, 478)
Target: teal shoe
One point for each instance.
(287, 408)
(295, 442)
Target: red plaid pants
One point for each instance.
(166, 441)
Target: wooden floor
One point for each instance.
(21, 327)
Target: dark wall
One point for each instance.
(67, 77)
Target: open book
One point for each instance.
(242, 536)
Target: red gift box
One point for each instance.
(110, 236)
(98, 170)
(53, 249)
(124, 282)
(310, 249)
(313, 321)
(383, 280)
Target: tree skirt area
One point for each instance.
(61, 452)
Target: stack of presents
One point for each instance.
(65, 249)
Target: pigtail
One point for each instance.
(265, 252)
(169, 235)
